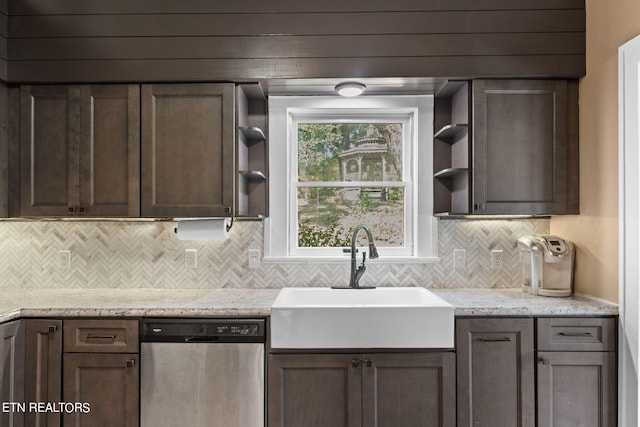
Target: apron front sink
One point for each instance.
(318, 318)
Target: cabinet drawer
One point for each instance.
(100, 336)
(577, 334)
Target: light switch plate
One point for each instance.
(459, 258)
(64, 260)
(191, 258)
(254, 258)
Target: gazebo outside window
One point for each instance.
(369, 160)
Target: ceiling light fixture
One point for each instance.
(350, 88)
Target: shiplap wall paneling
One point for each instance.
(75, 40)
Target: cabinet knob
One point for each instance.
(367, 363)
(545, 361)
(82, 210)
(53, 329)
(71, 210)
(355, 363)
(131, 363)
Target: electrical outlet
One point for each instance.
(64, 260)
(254, 258)
(497, 259)
(191, 258)
(459, 258)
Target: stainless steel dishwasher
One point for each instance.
(202, 372)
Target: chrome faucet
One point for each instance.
(358, 271)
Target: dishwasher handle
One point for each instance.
(202, 339)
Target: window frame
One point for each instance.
(281, 226)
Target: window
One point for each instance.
(336, 163)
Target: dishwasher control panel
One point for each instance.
(240, 330)
(202, 330)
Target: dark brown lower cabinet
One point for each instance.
(314, 390)
(576, 389)
(37, 369)
(30, 355)
(373, 390)
(577, 379)
(409, 390)
(43, 374)
(108, 383)
(495, 372)
(12, 352)
(100, 369)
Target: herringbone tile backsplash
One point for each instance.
(148, 254)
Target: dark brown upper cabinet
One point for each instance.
(4, 151)
(78, 151)
(517, 153)
(252, 152)
(187, 150)
(452, 149)
(525, 147)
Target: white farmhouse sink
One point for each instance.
(316, 318)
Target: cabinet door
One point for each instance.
(187, 149)
(49, 138)
(576, 389)
(523, 139)
(409, 390)
(496, 380)
(314, 390)
(110, 150)
(108, 383)
(43, 377)
(12, 372)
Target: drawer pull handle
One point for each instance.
(131, 363)
(100, 337)
(503, 339)
(576, 334)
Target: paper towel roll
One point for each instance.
(204, 229)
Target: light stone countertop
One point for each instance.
(257, 303)
(136, 302)
(514, 302)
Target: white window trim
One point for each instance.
(282, 109)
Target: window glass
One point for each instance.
(350, 151)
(341, 166)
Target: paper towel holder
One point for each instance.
(228, 226)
